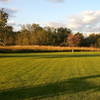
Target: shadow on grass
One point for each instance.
(73, 85)
(48, 55)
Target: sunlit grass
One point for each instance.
(50, 76)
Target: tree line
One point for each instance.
(34, 34)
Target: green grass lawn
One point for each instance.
(50, 76)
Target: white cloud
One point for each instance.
(87, 21)
(15, 25)
(11, 22)
(10, 10)
(55, 24)
(57, 1)
(4, 0)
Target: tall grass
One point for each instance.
(37, 48)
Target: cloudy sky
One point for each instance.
(79, 15)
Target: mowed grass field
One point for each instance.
(50, 76)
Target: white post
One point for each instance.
(72, 50)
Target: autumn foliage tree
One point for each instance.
(75, 40)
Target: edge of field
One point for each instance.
(37, 48)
